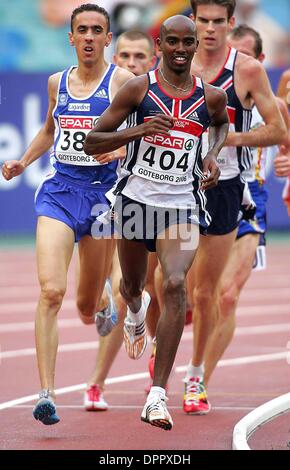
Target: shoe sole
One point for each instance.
(95, 408)
(46, 413)
(198, 413)
(130, 346)
(159, 423)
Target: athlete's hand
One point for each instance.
(282, 164)
(211, 172)
(12, 168)
(159, 124)
(118, 154)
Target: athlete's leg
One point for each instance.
(175, 259)
(110, 345)
(158, 282)
(211, 259)
(153, 312)
(95, 264)
(133, 258)
(175, 263)
(234, 277)
(54, 248)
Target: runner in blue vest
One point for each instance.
(65, 200)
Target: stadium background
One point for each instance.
(33, 44)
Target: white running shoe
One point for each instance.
(135, 338)
(155, 412)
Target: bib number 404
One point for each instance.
(167, 160)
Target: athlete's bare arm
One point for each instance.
(43, 140)
(104, 137)
(282, 159)
(284, 87)
(216, 100)
(252, 85)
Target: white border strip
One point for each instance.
(248, 425)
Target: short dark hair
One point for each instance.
(89, 7)
(243, 30)
(230, 5)
(134, 35)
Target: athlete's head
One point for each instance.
(89, 7)
(134, 51)
(230, 5)
(90, 26)
(247, 40)
(214, 19)
(178, 42)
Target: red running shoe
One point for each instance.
(195, 398)
(94, 399)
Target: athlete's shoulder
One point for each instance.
(122, 76)
(247, 66)
(134, 83)
(53, 82)
(215, 93)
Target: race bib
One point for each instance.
(167, 158)
(70, 142)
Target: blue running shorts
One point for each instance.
(72, 202)
(224, 204)
(259, 224)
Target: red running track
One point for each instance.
(263, 331)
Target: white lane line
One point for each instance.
(62, 348)
(69, 305)
(144, 375)
(187, 335)
(237, 361)
(132, 407)
(29, 326)
(267, 293)
(30, 307)
(262, 310)
(26, 285)
(76, 323)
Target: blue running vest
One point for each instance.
(74, 118)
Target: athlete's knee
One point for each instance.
(86, 309)
(228, 302)
(52, 296)
(204, 298)
(174, 284)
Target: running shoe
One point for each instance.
(106, 319)
(45, 410)
(195, 398)
(94, 399)
(155, 412)
(135, 338)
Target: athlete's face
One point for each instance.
(90, 36)
(212, 25)
(246, 45)
(134, 55)
(178, 46)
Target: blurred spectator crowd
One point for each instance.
(32, 33)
